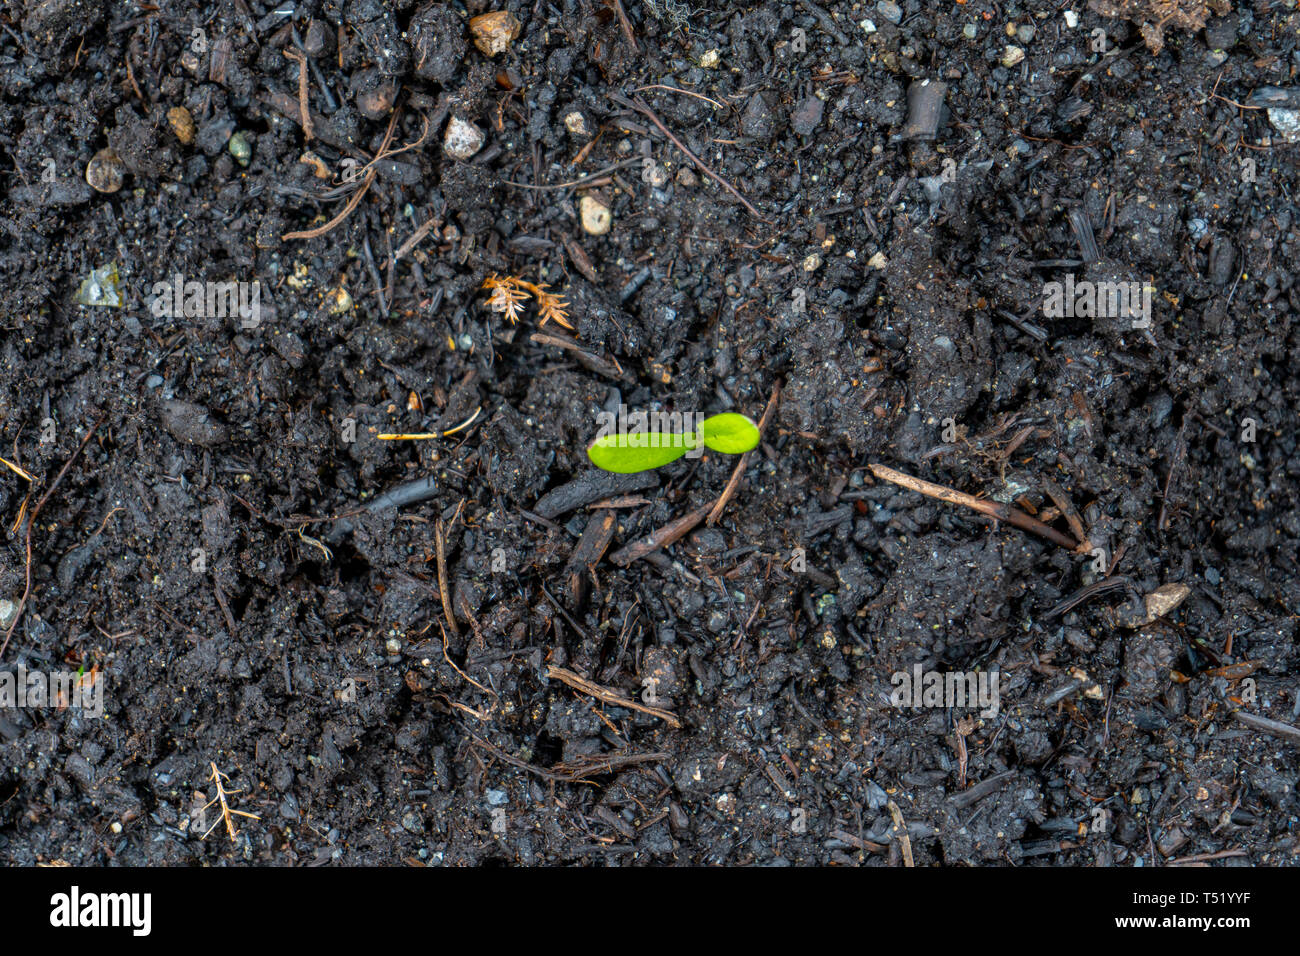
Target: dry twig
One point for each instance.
(31, 521)
(226, 812)
(739, 471)
(443, 591)
(370, 174)
(609, 696)
(626, 24)
(900, 832)
(992, 509)
(304, 110)
(510, 292)
(640, 106)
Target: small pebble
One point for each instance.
(494, 32)
(890, 11)
(462, 140)
(576, 124)
(240, 148)
(378, 103)
(1071, 19)
(339, 301)
(1286, 122)
(807, 116)
(1011, 55)
(969, 31)
(182, 124)
(105, 172)
(1221, 33)
(710, 59)
(317, 38)
(102, 287)
(596, 216)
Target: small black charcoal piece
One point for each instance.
(924, 109)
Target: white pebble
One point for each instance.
(462, 140)
(596, 217)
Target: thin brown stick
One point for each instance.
(383, 153)
(640, 106)
(31, 522)
(17, 470)
(443, 592)
(734, 482)
(1063, 502)
(1205, 857)
(304, 110)
(900, 832)
(858, 843)
(626, 24)
(598, 364)
(515, 761)
(130, 75)
(1268, 726)
(588, 180)
(414, 240)
(589, 765)
(448, 659)
(1214, 94)
(675, 89)
(579, 683)
(992, 509)
(661, 537)
(347, 211)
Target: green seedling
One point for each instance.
(729, 433)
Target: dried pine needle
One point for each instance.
(424, 436)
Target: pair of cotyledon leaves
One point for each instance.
(729, 433)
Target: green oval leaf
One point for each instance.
(730, 433)
(625, 454)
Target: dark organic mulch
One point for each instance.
(444, 651)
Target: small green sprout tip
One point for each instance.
(729, 434)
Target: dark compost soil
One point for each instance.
(254, 575)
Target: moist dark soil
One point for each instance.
(880, 197)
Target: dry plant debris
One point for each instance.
(508, 294)
(1152, 16)
(226, 812)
